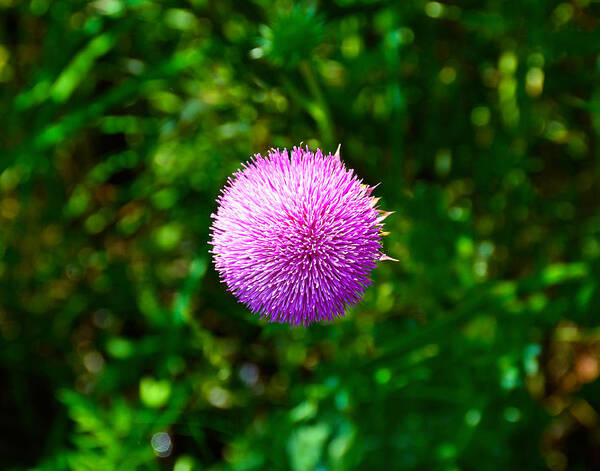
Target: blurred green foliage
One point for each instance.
(121, 120)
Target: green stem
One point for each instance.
(319, 109)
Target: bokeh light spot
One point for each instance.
(161, 444)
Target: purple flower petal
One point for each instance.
(295, 237)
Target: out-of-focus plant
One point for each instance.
(122, 120)
(291, 37)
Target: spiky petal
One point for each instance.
(295, 237)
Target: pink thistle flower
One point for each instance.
(295, 237)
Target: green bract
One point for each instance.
(292, 36)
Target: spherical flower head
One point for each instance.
(295, 237)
